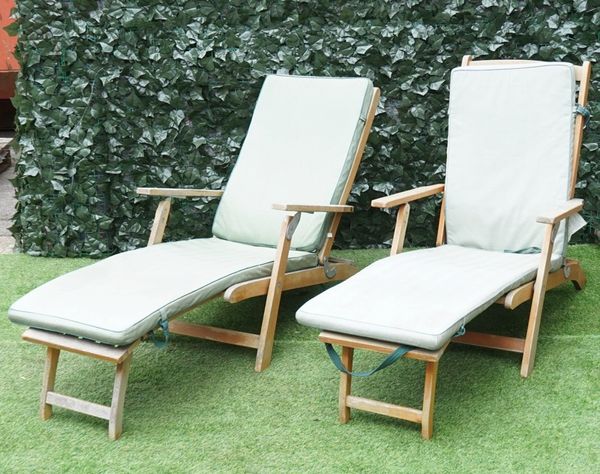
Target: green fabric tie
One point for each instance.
(161, 343)
(527, 250)
(389, 360)
(584, 112)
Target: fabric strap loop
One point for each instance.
(389, 360)
(161, 344)
(584, 112)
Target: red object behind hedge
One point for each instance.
(9, 66)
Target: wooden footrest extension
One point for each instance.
(120, 356)
(347, 401)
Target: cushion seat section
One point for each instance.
(119, 299)
(419, 298)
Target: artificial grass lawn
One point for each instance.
(199, 406)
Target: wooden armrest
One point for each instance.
(407, 196)
(179, 192)
(310, 208)
(569, 208)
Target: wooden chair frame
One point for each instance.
(328, 270)
(533, 291)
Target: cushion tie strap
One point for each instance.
(161, 344)
(389, 360)
(461, 331)
(584, 112)
(528, 250)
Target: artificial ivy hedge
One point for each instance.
(116, 94)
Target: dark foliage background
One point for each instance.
(116, 94)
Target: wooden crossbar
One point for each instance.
(492, 341)
(78, 405)
(211, 333)
(387, 409)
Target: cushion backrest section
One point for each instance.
(509, 153)
(299, 150)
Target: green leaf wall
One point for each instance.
(116, 94)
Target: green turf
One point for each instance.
(199, 406)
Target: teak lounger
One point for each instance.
(515, 134)
(300, 156)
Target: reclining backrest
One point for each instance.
(509, 154)
(299, 149)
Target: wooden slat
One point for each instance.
(228, 336)
(400, 230)
(180, 192)
(298, 279)
(105, 352)
(78, 405)
(382, 408)
(159, 224)
(491, 341)
(310, 208)
(407, 196)
(379, 346)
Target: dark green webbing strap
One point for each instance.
(584, 112)
(161, 344)
(527, 250)
(389, 360)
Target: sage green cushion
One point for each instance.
(299, 149)
(119, 299)
(510, 144)
(420, 298)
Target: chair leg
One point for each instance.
(269, 322)
(115, 422)
(537, 304)
(345, 383)
(52, 356)
(431, 369)
(267, 331)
